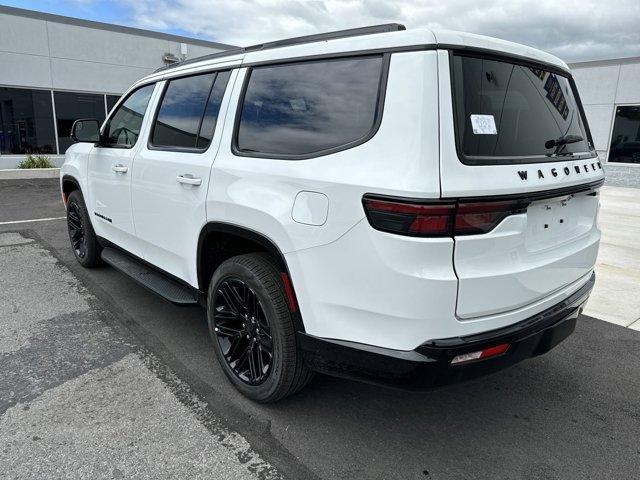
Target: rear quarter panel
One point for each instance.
(400, 159)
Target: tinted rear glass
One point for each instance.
(305, 108)
(504, 110)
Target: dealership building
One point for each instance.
(57, 69)
(610, 93)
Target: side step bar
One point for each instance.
(148, 277)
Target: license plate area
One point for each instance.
(556, 221)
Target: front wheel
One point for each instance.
(83, 239)
(252, 329)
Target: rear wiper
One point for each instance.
(563, 140)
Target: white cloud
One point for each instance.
(571, 29)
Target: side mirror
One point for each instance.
(86, 130)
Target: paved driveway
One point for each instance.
(615, 297)
(101, 377)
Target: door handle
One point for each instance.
(119, 168)
(189, 180)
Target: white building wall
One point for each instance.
(49, 54)
(603, 86)
(58, 53)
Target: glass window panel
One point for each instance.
(111, 102)
(625, 139)
(124, 125)
(26, 122)
(181, 110)
(304, 108)
(211, 111)
(525, 107)
(70, 106)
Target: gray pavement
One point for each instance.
(615, 297)
(124, 371)
(77, 400)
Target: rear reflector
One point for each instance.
(288, 290)
(443, 219)
(481, 354)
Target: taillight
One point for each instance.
(482, 217)
(408, 218)
(442, 219)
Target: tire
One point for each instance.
(83, 239)
(246, 288)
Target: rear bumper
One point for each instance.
(429, 365)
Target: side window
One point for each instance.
(188, 111)
(302, 109)
(124, 125)
(211, 111)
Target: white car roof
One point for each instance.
(419, 38)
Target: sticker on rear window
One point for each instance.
(484, 125)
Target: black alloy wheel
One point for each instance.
(76, 230)
(242, 331)
(252, 328)
(84, 242)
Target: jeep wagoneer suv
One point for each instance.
(406, 207)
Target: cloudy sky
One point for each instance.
(573, 30)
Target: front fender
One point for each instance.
(76, 164)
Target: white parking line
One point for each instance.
(32, 220)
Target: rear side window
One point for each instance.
(211, 110)
(506, 113)
(188, 111)
(305, 109)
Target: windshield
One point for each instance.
(508, 113)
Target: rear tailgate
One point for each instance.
(499, 155)
(528, 256)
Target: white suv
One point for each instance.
(411, 208)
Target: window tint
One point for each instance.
(305, 108)
(26, 121)
(625, 139)
(70, 106)
(508, 110)
(124, 126)
(178, 119)
(211, 112)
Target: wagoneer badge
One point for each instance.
(554, 172)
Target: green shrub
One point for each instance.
(36, 161)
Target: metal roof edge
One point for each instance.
(604, 62)
(51, 17)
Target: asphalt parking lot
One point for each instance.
(102, 379)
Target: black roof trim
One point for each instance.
(287, 42)
(317, 37)
(50, 17)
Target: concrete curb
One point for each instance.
(28, 173)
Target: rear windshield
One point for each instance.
(506, 113)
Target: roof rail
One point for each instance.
(352, 32)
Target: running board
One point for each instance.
(148, 277)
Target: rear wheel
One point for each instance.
(83, 239)
(252, 329)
